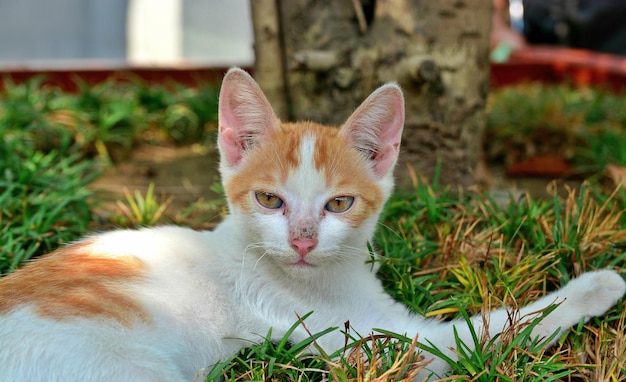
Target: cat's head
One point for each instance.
(309, 195)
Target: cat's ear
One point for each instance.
(245, 115)
(375, 127)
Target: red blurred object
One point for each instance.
(66, 77)
(554, 64)
(551, 166)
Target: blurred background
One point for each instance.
(57, 33)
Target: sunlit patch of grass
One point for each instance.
(606, 347)
(380, 357)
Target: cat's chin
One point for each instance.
(300, 268)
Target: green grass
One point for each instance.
(446, 254)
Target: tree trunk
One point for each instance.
(268, 66)
(338, 51)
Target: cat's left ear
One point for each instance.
(245, 115)
(375, 127)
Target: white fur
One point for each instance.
(209, 294)
(208, 297)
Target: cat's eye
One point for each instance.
(339, 204)
(268, 200)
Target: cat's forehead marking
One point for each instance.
(72, 282)
(306, 179)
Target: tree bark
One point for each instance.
(338, 51)
(268, 66)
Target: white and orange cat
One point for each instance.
(161, 304)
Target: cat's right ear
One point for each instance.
(245, 115)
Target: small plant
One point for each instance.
(380, 357)
(140, 210)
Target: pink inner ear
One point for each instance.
(229, 146)
(376, 127)
(245, 115)
(385, 159)
(228, 121)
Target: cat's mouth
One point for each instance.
(294, 263)
(301, 263)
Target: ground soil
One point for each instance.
(185, 173)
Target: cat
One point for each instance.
(161, 304)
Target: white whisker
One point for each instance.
(259, 259)
(245, 254)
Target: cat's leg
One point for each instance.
(590, 295)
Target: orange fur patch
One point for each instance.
(269, 165)
(346, 170)
(73, 282)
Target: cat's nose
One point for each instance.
(303, 246)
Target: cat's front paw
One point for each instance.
(593, 293)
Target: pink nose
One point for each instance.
(303, 246)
